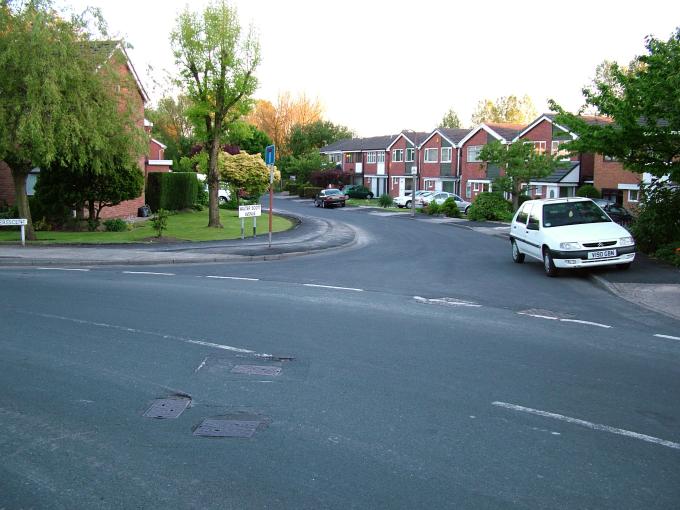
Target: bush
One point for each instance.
(115, 225)
(385, 201)
(291, 188)
(490, 206)
(172, 191)
(160, 222)
(658, 218)
(450, 208)
(588, 191)
(310, 191)
(521, 199)
(669, 253)
(432, 208)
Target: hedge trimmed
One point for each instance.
(172, 191)
(310, 192)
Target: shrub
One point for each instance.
(588, 191)
(310, 191)
(450, 208)
(385, 201)
(115, 225)
(159, 222)
(669, 253)
(433, 208)
(658, 218)
(490, 206)
(172, 191)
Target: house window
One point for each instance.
(395, 181)
(633, 195)
(348, 158)
(398, 155)
(468, 190)
(410, 154)
(429, 183)
(335, 158)
(556, 151)
(473, 153)
(431, 155)
(370, 157)
(476, 187)
(539, 147)
(446, 154)
(381, 157)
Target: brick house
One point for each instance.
(439, 160)
(475, 176)
(375, 163)
(155, 157)
(115, 54)
(402, 161)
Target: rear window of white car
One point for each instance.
(572, 213)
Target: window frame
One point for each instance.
(428, 152)
(400, 157)
(450, 155)
(412, 152)
(474, 149)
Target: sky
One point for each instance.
(379, 67)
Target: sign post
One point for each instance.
(270, 158)
(249, 211)
(22, 222)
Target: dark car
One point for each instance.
(619, 214)
(358, 192)
(329, 198)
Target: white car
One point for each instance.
(440, 197)
(569, 233)
(405, 199)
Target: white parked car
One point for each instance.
(405, 199)
(569, 233)
(440, 197)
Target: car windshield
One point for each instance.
(572, 213)
(332, 192)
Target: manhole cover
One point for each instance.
(227, 428)
(256, 370)
(165, 408)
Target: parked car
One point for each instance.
(441, 196)
(405, 199)
(569, 233)
(619, 214)
(329, 198)
(358, 191)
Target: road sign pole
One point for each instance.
(243, 228)
(254, 226)
(271, 201)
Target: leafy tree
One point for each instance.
(510, 109)
(521, 164)
(61, 101)
(588, 191)
(247, 172)
(641, 105)
(450, 120)
(248, 138)
(303, 166)
(217, 68)
(171, 125)
(306, 138)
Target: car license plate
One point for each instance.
(602, 254)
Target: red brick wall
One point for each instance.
(430, 170)
(472, 170)
(395, 168)
(6, 185)
(609, 174)
(155, 150)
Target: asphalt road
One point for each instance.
(437, 374)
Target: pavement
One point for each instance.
(648, 283)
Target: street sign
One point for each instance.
(249, 211)
(270, 154)
(13, 221)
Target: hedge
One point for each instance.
(172, 191)
(310, 192)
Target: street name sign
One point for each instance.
(249, 211)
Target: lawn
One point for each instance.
(185, 226)
(372, 203)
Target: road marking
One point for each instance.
(201, 365)
(447, 302)
(577, 321)
(590, 425)
(332, 287)
(234, 278)
(148, 272)
(60, 269)
(150, 333)
(669, 337)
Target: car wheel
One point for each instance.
(400, 206)
(316, 203)
(548, 264)
(222, 200)
(323, 204)
(517, 256)
(623, 267)
(408, 205)
(342, 204)
(370, 196)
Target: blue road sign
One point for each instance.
(270, 154)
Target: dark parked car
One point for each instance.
(329, 198)
(619, 214)
(357, 192)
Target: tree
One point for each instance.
(521, 162)
(217, 68)
(450, 120)
(510, 109)
(246, 171)
(248, 138)
(641, 106)
(278, 120)
(310, 137)
(171, 125)
(61, 98)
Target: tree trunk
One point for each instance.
(213, 185)
(19, 177)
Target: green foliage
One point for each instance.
(658, 220)
(385, 201)
(159, 222)
(450, 209)
(302, 166)
(490, 206)
(248, 138)
(640, 102)
(306, 138)
(172, 127)
(247, 172)
(432, 208)
(172, 191)
(670, 253)
(450, 120)
(588, 191)
(115, 225)
(505, 109)
(522, 199)
(310, 191)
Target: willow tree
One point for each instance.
(217, 65)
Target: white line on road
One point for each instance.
(234, 278)
(148, 272)
(669, 337)
(447, 302)
(201, 365)
(577, 321)
(61, 269)
(590, 425)
(150, 333)
(332, 287)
